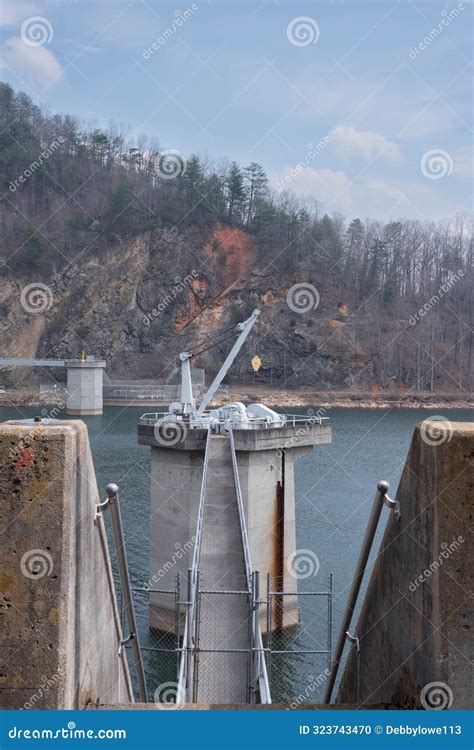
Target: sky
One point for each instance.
(364, 106)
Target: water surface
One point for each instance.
(335, 486)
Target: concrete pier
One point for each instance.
(59, 624)
(266, 461)
(84, 387)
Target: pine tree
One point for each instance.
(235, 192)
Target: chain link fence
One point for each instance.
(297, 639)
(298, 642)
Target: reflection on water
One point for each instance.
(335, 485)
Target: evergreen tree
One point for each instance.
(235, 192)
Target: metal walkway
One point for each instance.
(223, 659)
(224, 619)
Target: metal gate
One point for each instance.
(296, 646)
(298, 642)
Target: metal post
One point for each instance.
(116, 518)
(250, 641)
(189, 639)
(330, 595)
(256, 625)
(177, 620)
(268, 642)
(379, 500)
(197, 636)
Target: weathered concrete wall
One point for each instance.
(176, 477)
(175, 484)
(415, 623)
(272, 438)
(60, 631)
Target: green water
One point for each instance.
(335, 485)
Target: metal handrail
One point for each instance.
(253, 585)
(112, 503)
(185, 678)
(240, 505)
(202, 497)
(291, 419)
(381, 498)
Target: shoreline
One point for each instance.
(347, 400)
(276, 399)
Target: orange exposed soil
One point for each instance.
(233, 254)
(238, 249)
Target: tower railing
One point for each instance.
(184, 693)
(259, 680)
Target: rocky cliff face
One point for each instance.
(150, 298)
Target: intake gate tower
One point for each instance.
(223, 508)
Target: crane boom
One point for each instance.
(244, 329)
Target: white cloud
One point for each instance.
(463, 160)
(399, 106)
(374, 198)
(14, 13)
(348, 143)
(36, 64)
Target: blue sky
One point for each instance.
(263, 81)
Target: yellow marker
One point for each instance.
(83, 356)
(256, 363)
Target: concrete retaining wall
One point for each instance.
(60, 631)
(415, 623)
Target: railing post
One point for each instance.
(330, 596)
(268, 640)
(379, 500)
(197, 636)
(256, 626)
(189, 639)
(117, 528)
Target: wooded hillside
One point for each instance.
(109, 225)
